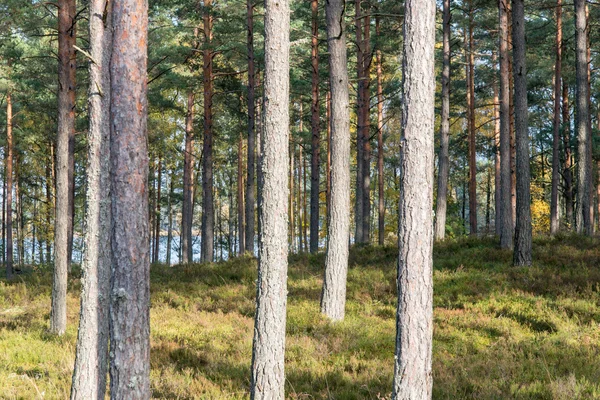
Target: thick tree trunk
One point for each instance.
(240, 199)
(381, 201)
(130, 281)
(414, 319)
(250, 182)
(316, 134)
(471, 125)
(554, 222)
(333, 297)
(583, 221)
(66, 129)
(187, 214)
(91, 362)
(506, 222)
(208, 212)
(9, 187)
(443, 159)
(268, 378)
(522, 251)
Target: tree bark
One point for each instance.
(316, 134)
(443, 159)
(250, 180)
(9, 186)
(328, 167)
(240, 199)
(170, 219)
(333, 296)
(522, 250)
(471, 126)
(366, 109)
(66, 129)
(187, 214)
(568, 162)
(583, 221)
(414, 318)
(506, 222)
(157, 213)
(130, 281)
(381, 203)
(554, 222)
(497, 157)
(359, 196)
(268, 377)
(208, 212)
(91, 361)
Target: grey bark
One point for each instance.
(130, 283)
(333, 297)
(250, 180)
(91, 361)
(268, 377)
(554, 221)
(522, 250)
(506, 212)
(187, 214)
(66, 128)
(414, 319)
(583, 222)
(444, 162)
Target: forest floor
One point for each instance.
(500, 332)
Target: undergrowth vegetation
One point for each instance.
(500, 331)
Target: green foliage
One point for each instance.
(500, 331)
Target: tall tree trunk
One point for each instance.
(304, 206)
(4, 194)
(91, 361)
(366, 99)
(9, 186)
(240, 199)
(300, 201)
(130, 280)
(522, 251)
(268, 378)
(316, 134)
(187, 213)
(49, 209)
(19, 210)
(568, 162)
(471, 125)
(63, 223)
(554, 222)
(328, 171)
(157, 213)
(443, 159)
(250, 182)
(333, 296)
(208, 212)
(497, 157)
(381, 203)
(359, 197)
(291, 209)
(152, 206)
(414, 318)
(170, 219)
(506, 222)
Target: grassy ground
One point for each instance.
(500, 332)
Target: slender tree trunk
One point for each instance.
(366, 98)
(291, 209)
(328, 172)
(91, 361)
(152, 206)
(360, 126)
(589, 120)
(316, 134)
(130, 281)
(554, 222)
(66, 129)
(157, 214)
(444, 162)
(208, 212)
(568, 163)
(522, 251)
(170, 219)
(497, 157)
(488, 195)
(187, 214)
(471, 125)
(305, 206)
(506, 222)
(300, 201)
(268, 378)
(333, 297)
(584, 164)
(9, 185)
(381, 204)
(414, 319)
(49, 209)
(71, 126)
(240, 199)
(4, 194)
(250, 182)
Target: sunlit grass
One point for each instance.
(500, 331)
